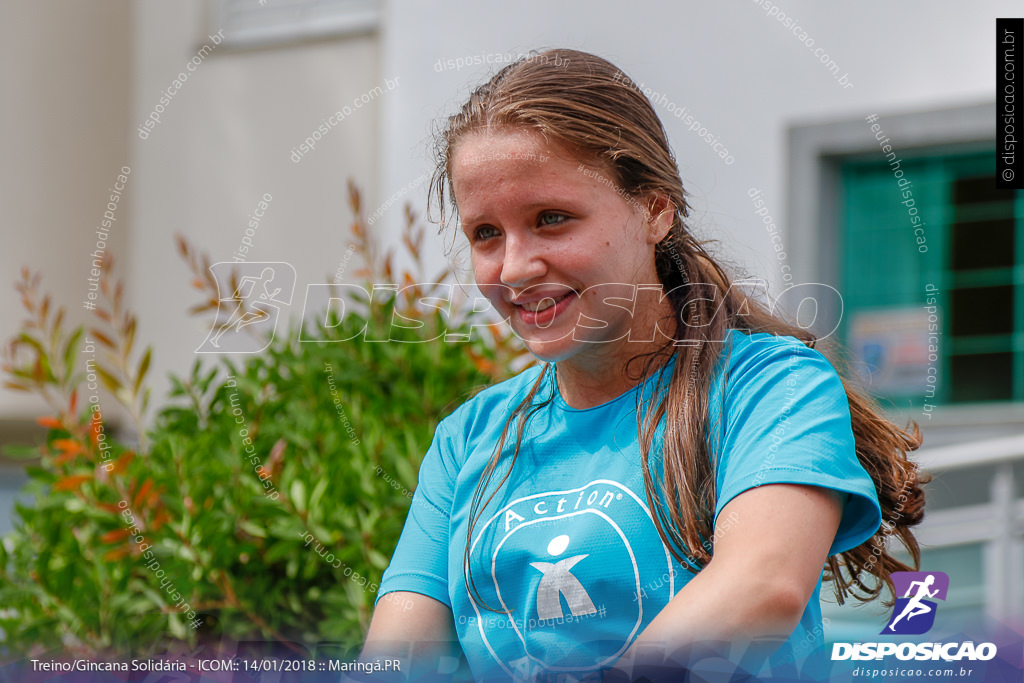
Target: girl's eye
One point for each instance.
(551, 218)
(485, 232)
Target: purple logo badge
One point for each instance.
(914, 612)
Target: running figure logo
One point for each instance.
(557, 581)
(913, 613)
(248, 306)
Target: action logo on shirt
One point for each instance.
(579, 573)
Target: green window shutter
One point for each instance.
(883, 268)
(973, 263)
(881, 264)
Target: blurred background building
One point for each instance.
(788, 92)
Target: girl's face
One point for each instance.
(550, 239)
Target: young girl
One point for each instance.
(683, 468)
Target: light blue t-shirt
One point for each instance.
(568, 545)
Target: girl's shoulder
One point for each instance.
(741, 339)
(742, 351)
(753, 367)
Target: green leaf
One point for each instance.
(41, 474)
(253, 529)
(21, 452)
(26, 338)
(71, 350)
(279, 551)
(377, 559)
(318, 492)
(177, 628)
(109, 381)
(297, 493)
(143, 369)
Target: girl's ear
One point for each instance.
(660, 214)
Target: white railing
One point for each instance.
(998, 524)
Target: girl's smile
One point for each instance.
(543, 231)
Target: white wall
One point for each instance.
(65, 71)
(740, 72)
(224, 140)
(78, 80)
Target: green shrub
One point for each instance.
(286, 544)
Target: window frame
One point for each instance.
(816, 152)
(268, 24)
(965, 435)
